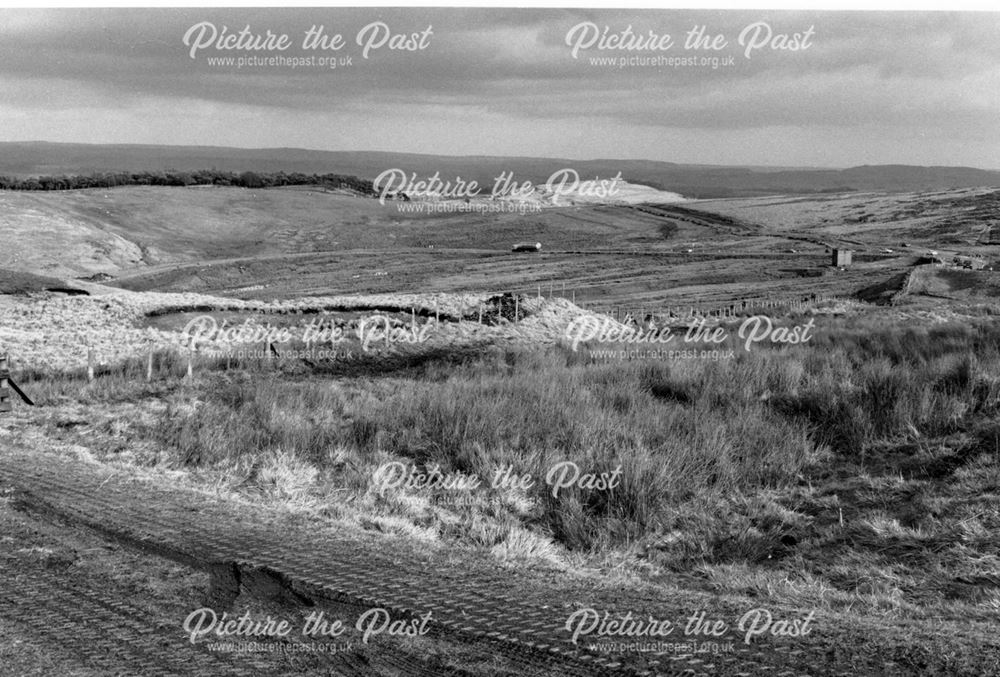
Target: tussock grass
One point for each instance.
(842, 472)
(679, 431)
(526, 411)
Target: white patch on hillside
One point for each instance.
(622, 192)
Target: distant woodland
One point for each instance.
(204, 177)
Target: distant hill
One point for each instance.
(20, 283)
(701, 181)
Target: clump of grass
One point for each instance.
(525, 411)
(245, 417)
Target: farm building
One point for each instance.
(842, 257)
(527, 247)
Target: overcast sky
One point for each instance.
(869, 88)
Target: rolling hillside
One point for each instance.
(699, 181)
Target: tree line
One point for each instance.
(204, 177)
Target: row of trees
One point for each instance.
(203, 177)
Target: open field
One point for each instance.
(853, 475)
(286, 243)
(499, 342)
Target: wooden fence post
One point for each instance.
(149, 366)
(5, 404)
(90, 365)
(7, 384)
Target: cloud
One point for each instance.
(497, 76)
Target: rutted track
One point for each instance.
(78, 612)
(106, 634)
(485, 614)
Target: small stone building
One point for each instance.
(842, 257)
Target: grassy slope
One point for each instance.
(289, 242)
(267, 239)
(940, 219)
(195, 224)
(17, 282)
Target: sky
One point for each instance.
(829, 89)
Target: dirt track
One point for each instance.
(479, 616)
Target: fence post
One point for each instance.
(149, 366)
(90, 365)
(480, 313)
(5, 404)
(516, 307)
(190, 369)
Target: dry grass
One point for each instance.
(856, 472)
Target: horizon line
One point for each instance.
(511, 157)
